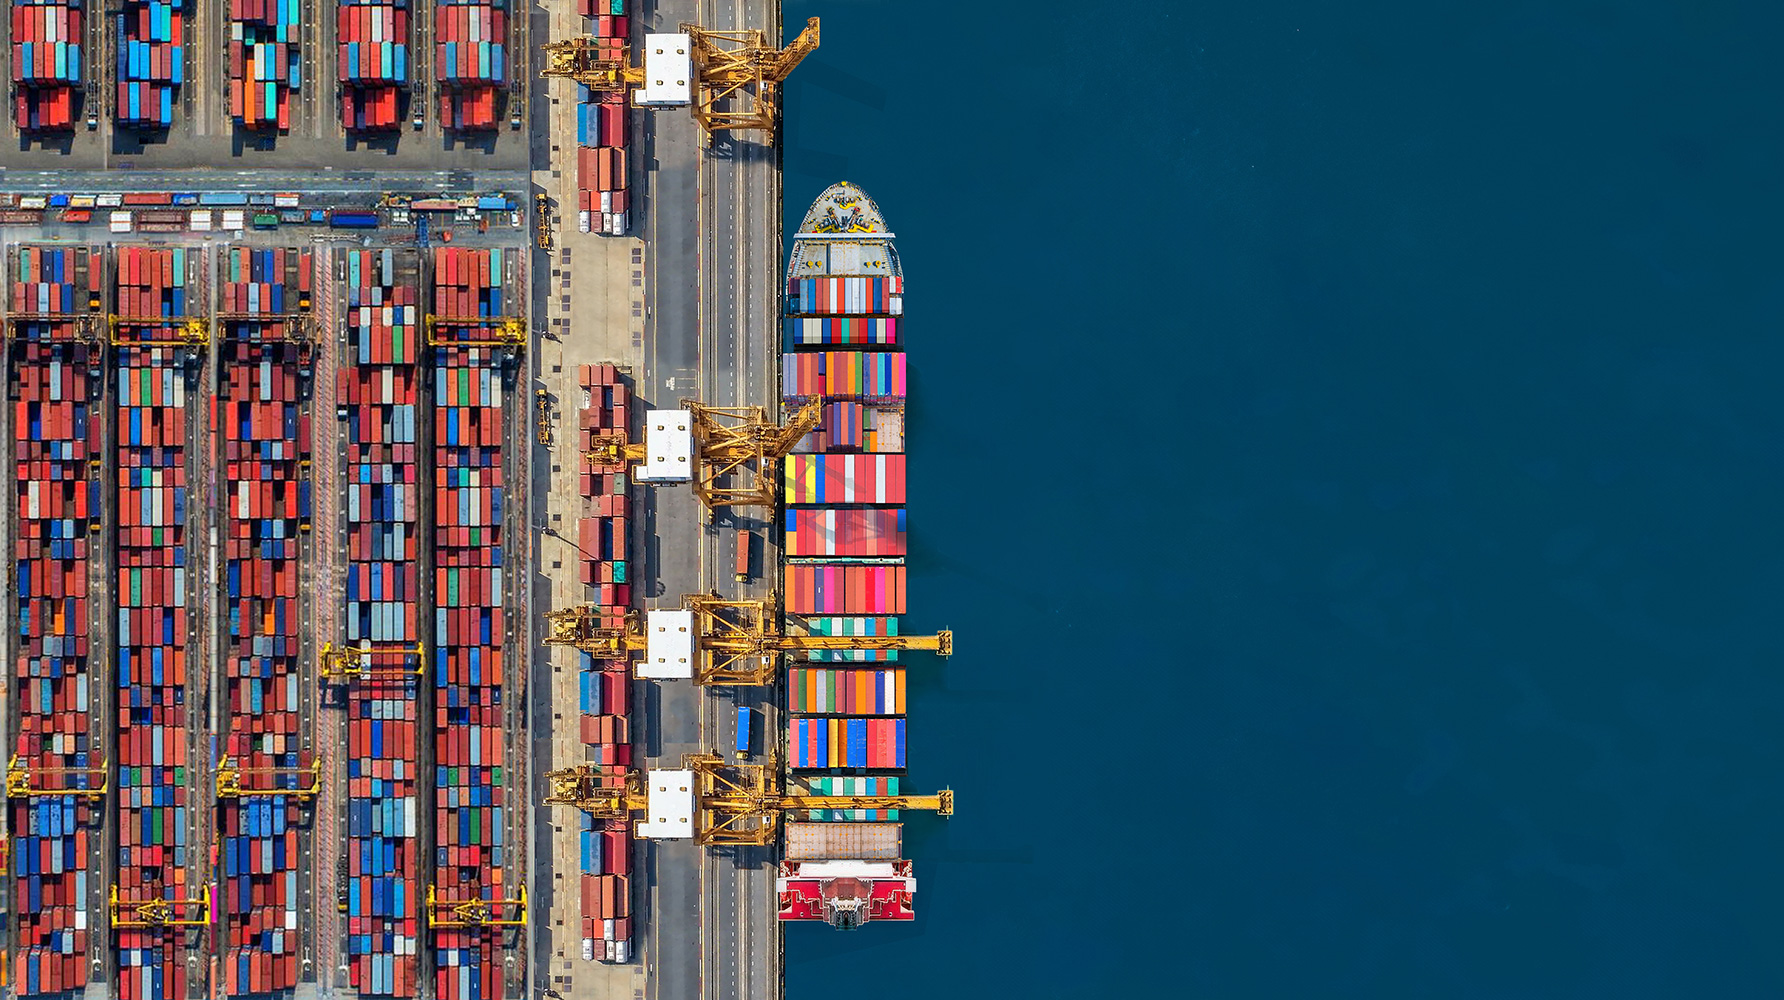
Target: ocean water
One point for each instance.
(1346, 442)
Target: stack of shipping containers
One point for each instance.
(603, 686)
(46, 63)
(378, 389)
(372, 59)
(265, 438)
(151, 61)
(470, 61)
(154, 785)
(263, 47)
(57, 438)
(469, 630)
(845, 524)
(601, 198)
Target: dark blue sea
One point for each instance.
(1346, 442)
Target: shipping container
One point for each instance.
(47, 63)
(379, 395)
(872, 376)
(151, 633)
(55, 433)
(471, 62)
(845, 785)
(809, 841)
(372, 62)
(262, 52)
(258, 413)
(844, 479)
(820, 691)
(855, 743)
(150, 62)
(468, 655)
(834, 532)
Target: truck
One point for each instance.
(745, 542)
(543, 213)
(346, 218)
(747, 728)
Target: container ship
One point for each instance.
(844, 546)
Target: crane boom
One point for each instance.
(730, 67)
(730, 803)
(734, 642)
(790, 57)
(728, 441)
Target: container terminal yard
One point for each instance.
(364, 645)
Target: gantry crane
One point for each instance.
(298, 325)
(476, 912)
(193, 332)
(86, 325)
(705, 444)
(714, 801)
(698, 68)
(158, 912)
(370, 662)
(497, 331)
(229, 780)
(713, 640)
(23, 781)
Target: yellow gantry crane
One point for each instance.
(86, 325)
(707, 444)
(23, 781)
(298, 326)
(476, 912)
(372, 662)
(495, 331)
(157, 912)
(229, 780)
(713, 640)
(714, 801)
(699, 68)
(194, 332)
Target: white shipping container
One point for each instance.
(582, 222)
(108, 201)
(120, 222)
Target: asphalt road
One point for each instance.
(711, 217)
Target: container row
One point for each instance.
(850, 626)
(814, 743)
(380, 392)
(151, 742)
(468, 660)
(53, 439)
(850, 426)
(844, 479)
(847, 532)
(826, 589)
(825, 691)
(875, 376)
(846, 296)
